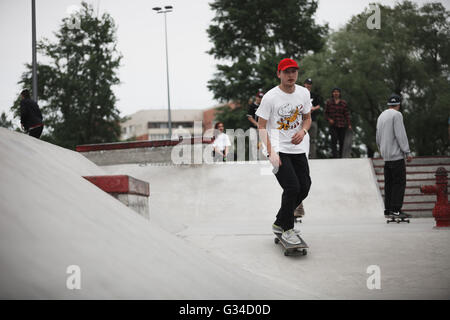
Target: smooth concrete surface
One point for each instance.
(227, 210)
(52, 219)
(209, 236)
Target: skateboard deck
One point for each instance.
(348, 141)
(397, 219)
(292, 249)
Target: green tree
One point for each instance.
(250, 37)
(408, 55)
(4, 122)
(75, 86)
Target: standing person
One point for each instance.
(253, 118)
(284, 120)
(221, 143)
(30, 115)
(314, 112)
(394, 148)
(338, 116)
(251, 114)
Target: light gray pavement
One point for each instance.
(208, 236)
(227, 210)
(51, 218)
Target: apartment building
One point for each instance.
(153, 124)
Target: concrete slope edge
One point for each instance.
(58, 219)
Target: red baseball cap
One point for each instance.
(287, 63)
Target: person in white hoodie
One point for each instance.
(393, 145)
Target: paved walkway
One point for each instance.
(228, 209)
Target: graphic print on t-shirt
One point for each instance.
(289, 116)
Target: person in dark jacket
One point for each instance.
(338, 116)
(30, 115)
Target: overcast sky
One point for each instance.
(141, 41)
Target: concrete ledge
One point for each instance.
(139, 144)
(138, 151)
(132, 192)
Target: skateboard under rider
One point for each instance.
(292, 249)
(397, 218)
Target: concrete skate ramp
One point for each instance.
(245, 193)
(228, 209)
(51, 218)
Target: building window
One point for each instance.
(165, 125)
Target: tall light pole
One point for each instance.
(33, 45)
(166, 10)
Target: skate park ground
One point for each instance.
(209, 234)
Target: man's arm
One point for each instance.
(274, 158)
(306, 125)
(23, 114)
(400, 135)
(250, 118)
(328, 113)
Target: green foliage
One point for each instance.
(233, 118)
(250, 37)
(74, 87)
(409, 55)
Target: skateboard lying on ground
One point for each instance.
(398, 219)
(292, 249)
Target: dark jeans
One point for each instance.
(36, 132)
(337, 136)
(394, 184)
(293, 177)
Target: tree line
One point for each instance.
(409, 55)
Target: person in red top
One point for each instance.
(338, 116)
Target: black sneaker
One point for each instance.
(390, 213)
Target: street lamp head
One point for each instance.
(168, 7)
(157, 8)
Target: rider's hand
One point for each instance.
(298, 137)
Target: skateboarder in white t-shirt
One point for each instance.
(284, 120)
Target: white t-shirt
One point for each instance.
(284, 114)
(221, 141)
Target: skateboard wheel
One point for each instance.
(286, 253)
(276, 240)
(305, 252)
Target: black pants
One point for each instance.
(293, 177)
(337, 136)
(394, 184)
(36, 132)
